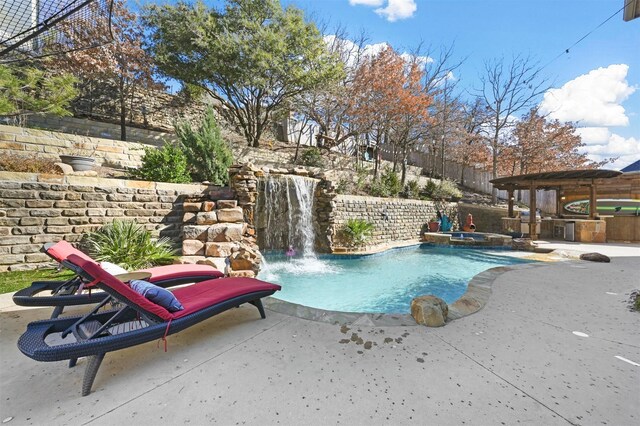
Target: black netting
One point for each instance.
(37, 28)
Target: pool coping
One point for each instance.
(472, 301)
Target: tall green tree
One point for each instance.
(251, 57)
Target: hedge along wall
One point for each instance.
(36, 209)
(394, 219)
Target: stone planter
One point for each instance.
(78, 163)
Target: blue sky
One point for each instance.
(596, 84)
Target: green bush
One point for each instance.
(129, 245)
(311, 157)
(358, 231)
(412, 189)
(446, 190)
(166, 164)
(208, 155)
(388, 185)
(429, 188)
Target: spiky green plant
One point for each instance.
(129, 245)
(358, 231)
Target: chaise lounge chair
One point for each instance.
(66, 293)
(138, 321)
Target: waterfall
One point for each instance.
(284, 213)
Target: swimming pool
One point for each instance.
(384, 283)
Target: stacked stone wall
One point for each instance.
(393, 219)
(37, 209)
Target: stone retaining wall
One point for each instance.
(24, 141)
(36, 209)
(393, 219)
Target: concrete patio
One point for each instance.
(515, 361)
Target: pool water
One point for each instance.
(384, 283)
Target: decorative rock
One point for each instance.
(247, 274)
(300, 171)
(222, 232)
(192, 247)
(595, 257)
(192, 207)
(220, 263)
(525, 244)
(195, 232)
(64, 168)
(189, 217)
(230, 215)
(206, 218)
(220, 249)
(227, 204)
(221, 194)
(208, 206)
(429, 310)
(189, 260)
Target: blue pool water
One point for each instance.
(384, 283)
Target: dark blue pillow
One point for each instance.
(157, 295)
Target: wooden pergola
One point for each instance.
(559, 181)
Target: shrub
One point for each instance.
(412, 189)
(208, 155)
(129, 245)
(311, 157)
(17, 163)
(358, 231)
(388, 185)
(166, 164)
(446, 190)
(430, 188)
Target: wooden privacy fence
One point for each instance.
(474, 178)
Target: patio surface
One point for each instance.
(515, 361)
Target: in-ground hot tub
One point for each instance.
(467, 239)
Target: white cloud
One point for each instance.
(601, 144)
(592, 99)
(395, 10)
(372, 3)
(398, 9)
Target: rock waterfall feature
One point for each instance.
(284, 213)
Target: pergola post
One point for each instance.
(532, 211)
(510, 192)
(593, 208)
(559, 193)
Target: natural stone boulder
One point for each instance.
(525, 244)
(189, 217)
(220, 263)
(300, 171)
(64, 168)
(247, 274)
(230, 215)
(189, 260)
(220, 249)
(191, 207)
(429, 310)
(227, 204)
(206, 218)
(245, 259)
(221, 194)
(225, 232)
(208, 206)
(595, 257)
(192, 248)
(195, 232)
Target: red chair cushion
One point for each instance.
(172, 272)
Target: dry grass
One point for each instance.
(18, 163)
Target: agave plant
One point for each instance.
(358, 231)
(129, 245)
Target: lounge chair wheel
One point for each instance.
(93, 364)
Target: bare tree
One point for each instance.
(508, 89)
